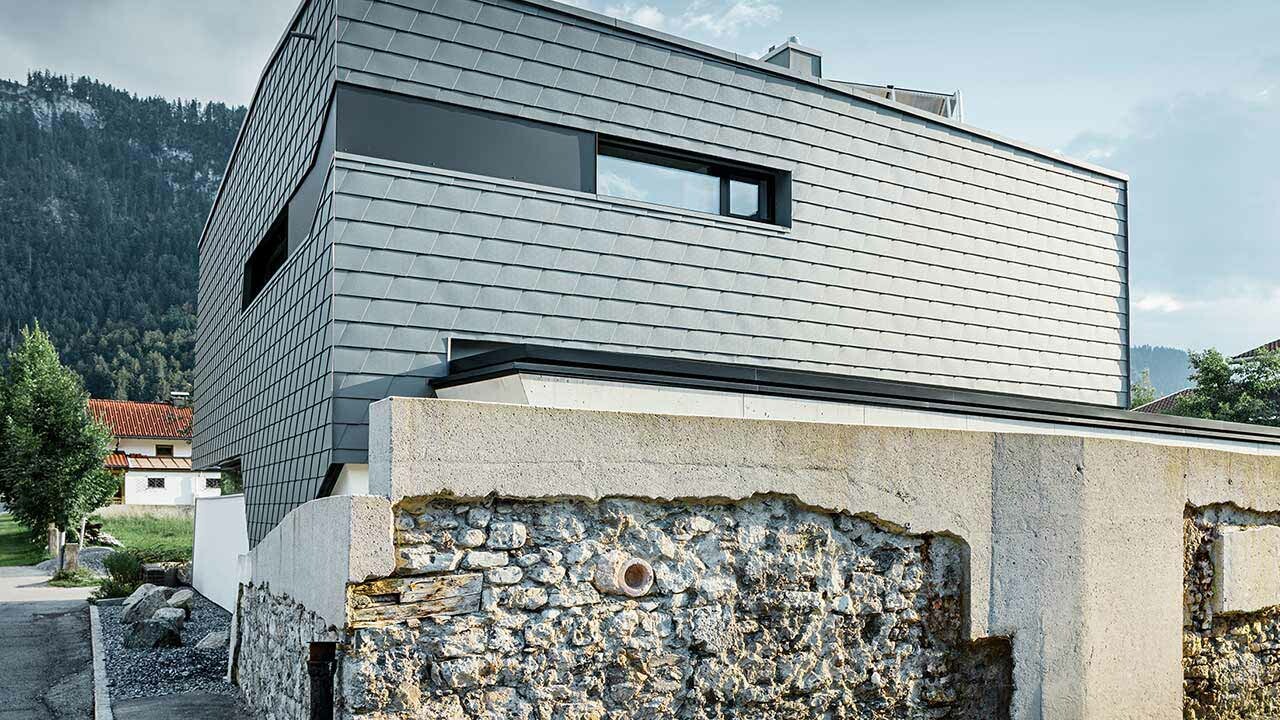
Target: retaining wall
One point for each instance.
(1064, 554)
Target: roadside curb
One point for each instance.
(101, 694)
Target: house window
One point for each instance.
(164, 451)
(155, 483)
(266, 259)
(664, 177)
(213, 483)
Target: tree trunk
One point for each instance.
(53, 540)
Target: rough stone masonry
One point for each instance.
(757, 609)
(1230, 661)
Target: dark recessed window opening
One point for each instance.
(155, 483)
(267, 258)
(409, 129)
(213, 483)
(664, 177)
(164, 451)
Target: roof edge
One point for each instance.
(757, 64)
(496, 361)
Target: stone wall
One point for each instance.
(758, 608)
(272, 639)
(1231, 661)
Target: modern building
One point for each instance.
(152, 453)
(577, 370)
(411, 175)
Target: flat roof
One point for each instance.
(479, 360)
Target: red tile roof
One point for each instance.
(1164, 405)
(143, 420)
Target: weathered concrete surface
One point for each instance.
(1075, 543)
(46, 665)
(320, 547)
(1246, 569)
(924, 481)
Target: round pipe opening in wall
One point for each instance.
(621, 574)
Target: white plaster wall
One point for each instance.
(180, 487)
(138, 446)
(221, 537)
(353, 479)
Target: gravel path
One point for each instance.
(165, 671)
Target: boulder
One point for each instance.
(150, 634)
(214, 640)
(134, 596)
(184, 573)
(177, 617)
(182, 599)
(145, 604)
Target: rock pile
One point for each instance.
(155, 616)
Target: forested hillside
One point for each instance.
(102, 199)
(1170, 367)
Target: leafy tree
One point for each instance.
(1142, 392)
(1242, 389)
(51, 448)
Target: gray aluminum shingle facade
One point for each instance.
(916, 249)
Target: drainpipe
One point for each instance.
(320, 667)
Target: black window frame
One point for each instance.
(768, 181)
(164, 451)
(151, 483)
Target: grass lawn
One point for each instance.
(15, 546)
(153, 539)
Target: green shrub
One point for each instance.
(124, 575)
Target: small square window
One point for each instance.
(164, 451)
(213, 483)
(155, 483)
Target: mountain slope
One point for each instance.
(102, 199)
(1170, 367)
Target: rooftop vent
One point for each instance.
(947, 105)
(791, 54)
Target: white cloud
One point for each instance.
(646, 15)
(1204, 224)
(726, 19)
(1158, 302)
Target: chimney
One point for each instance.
(179, 399)
(791, 54)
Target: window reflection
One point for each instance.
(663, 185)
(744, 198)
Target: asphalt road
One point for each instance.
(46, 665)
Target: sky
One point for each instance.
(1182, 95)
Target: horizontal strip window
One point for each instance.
(423, 132)
(664, 177)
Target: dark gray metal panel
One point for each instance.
(262, 387)
(935, 254)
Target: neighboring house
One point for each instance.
(152, 453)
(525, 172)
(1167, 404)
